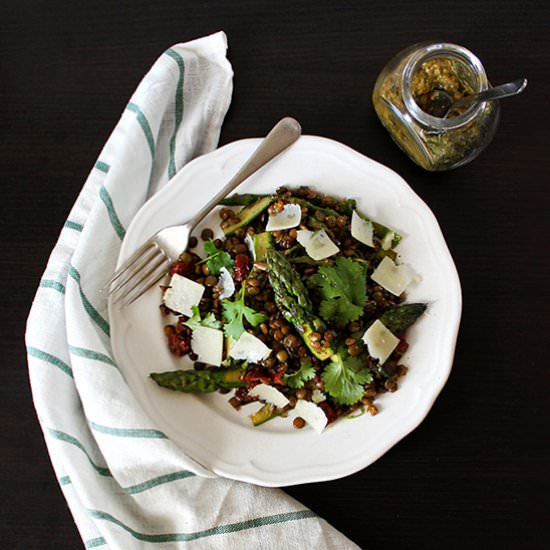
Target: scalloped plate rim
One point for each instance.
(222, 160)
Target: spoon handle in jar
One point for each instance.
(498, 92)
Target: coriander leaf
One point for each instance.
(253, 317)
(344, 379)
(233, 313)
(210, 247)
(339, 309)
(217, 258)
(195, 321)
(343, 290)
(210, 321)
(234, 326)
(301, 376)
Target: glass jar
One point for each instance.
(405, 97)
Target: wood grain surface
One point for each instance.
(475, 473)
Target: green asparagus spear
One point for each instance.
(265, 413)
(262, 243)
(344, 207)
(248, 213)
(314, 207)
(199, 381)
(387, 237)
(293, 301)
(400, 318)
(240, 200)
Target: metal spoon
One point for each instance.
(442, 103)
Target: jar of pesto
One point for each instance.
(405, 97)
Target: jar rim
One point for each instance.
(445, 50)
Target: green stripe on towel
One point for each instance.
(91, 354)
(73, 225)
(102, 166)
(94, 543)
(155, 482)
(178, 104)
(221, 530)
(49, 358)
(142, 121)
(50, 283)
(64, 480)
(145, 433)
(92, 312)
(144, 485)
(62, 436)
(113, 216)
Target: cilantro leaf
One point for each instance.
(210, 321)
(216, 258)
(253, 317)
(233, 313)
(343, 290)
(344, 378)
(301, 376)
(340, 310)
(195, 321)
(234, 317)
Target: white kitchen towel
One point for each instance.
(127, 485)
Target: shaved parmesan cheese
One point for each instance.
(361, 229)
(380, 341)
(182, 295)
(317, 244)
(387, 241)
(249, 348)
(226, 285)
(317, 396)
(312, 414)
(269, 394)
(207, 343)
(289, 216)
(249, 241)
(394, 278)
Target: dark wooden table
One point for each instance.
(475, 473)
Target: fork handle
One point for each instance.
(282, 135)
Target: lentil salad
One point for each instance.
(311, 308)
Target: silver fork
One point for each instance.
(151, 260)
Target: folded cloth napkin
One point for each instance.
(127, 485)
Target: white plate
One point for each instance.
(206, 427)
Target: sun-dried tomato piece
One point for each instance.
(179, 341)
(182, 268)
(242, 267)
(241, 397)
(402, 347)
(277, 378)
(256, 375)
(329, 411)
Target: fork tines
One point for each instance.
(138, 273)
